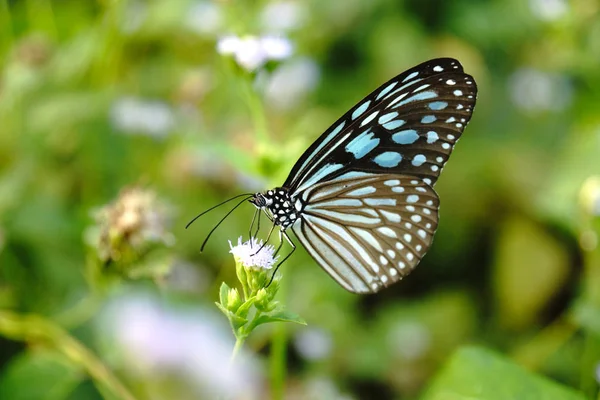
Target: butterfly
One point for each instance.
(361, 198)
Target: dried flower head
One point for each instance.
(134, 221)
(247, 253)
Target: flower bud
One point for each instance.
(234, 301)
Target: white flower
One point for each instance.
(534, 90)
(410, 340)
(548, 10)
(252, 52)
(247, 254)
(313, 343)
(291, 82)
(590, 195)
(283, 16)
(204, 18)
(137, 116)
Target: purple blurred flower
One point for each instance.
(155, 339)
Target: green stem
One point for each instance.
(35, 329)
(236, 349)
(6, 27)
(80, 312)
(591, 346)
(257, 111)
(278, 359)
(535, 352)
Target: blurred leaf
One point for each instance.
(477, 373)
(39, 375)
(587, 316)
(280, 316)
(530, 269)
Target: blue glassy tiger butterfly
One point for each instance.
(361, 198)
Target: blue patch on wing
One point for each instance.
(388, 159)
(405, 137)
(362, 144)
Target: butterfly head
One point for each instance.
(278, 206)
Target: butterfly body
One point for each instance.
(361, 199)
(278, 205)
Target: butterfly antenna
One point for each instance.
(218, 205)
(221, 221)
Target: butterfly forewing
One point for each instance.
(408, 125)
(368, 231)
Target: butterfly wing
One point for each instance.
(368, 231)
(408, 125)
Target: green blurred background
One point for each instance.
(135, 105)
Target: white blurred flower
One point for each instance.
(534, 90)
(134, 16)
(247, 254)
(204, 18)
(548, 10)
(410, 340)
(137, 116)
(187, 277)
(589, 196)
(252, 52)
(291, 82)
(318, 387)
(156, 340)
(313, 343)
(283, 16)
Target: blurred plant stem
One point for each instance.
(589, 236)
(257, 111)
(35, 329)
(239, 342)
(41, 17)
(278, 352)
(591, 347)
(6, 26)
(533, 353)
(84, 309)
(279, 339)
(81, 312)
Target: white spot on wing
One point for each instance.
(384, 230)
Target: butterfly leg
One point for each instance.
(282, 235)
(257, 225)
(252, 226)
(265, 242)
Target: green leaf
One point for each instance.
(235, 320)
(243, 310)
(39, 375)
(223, 291)
(476, 373)
(279, 316)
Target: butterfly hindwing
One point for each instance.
(368, 231)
